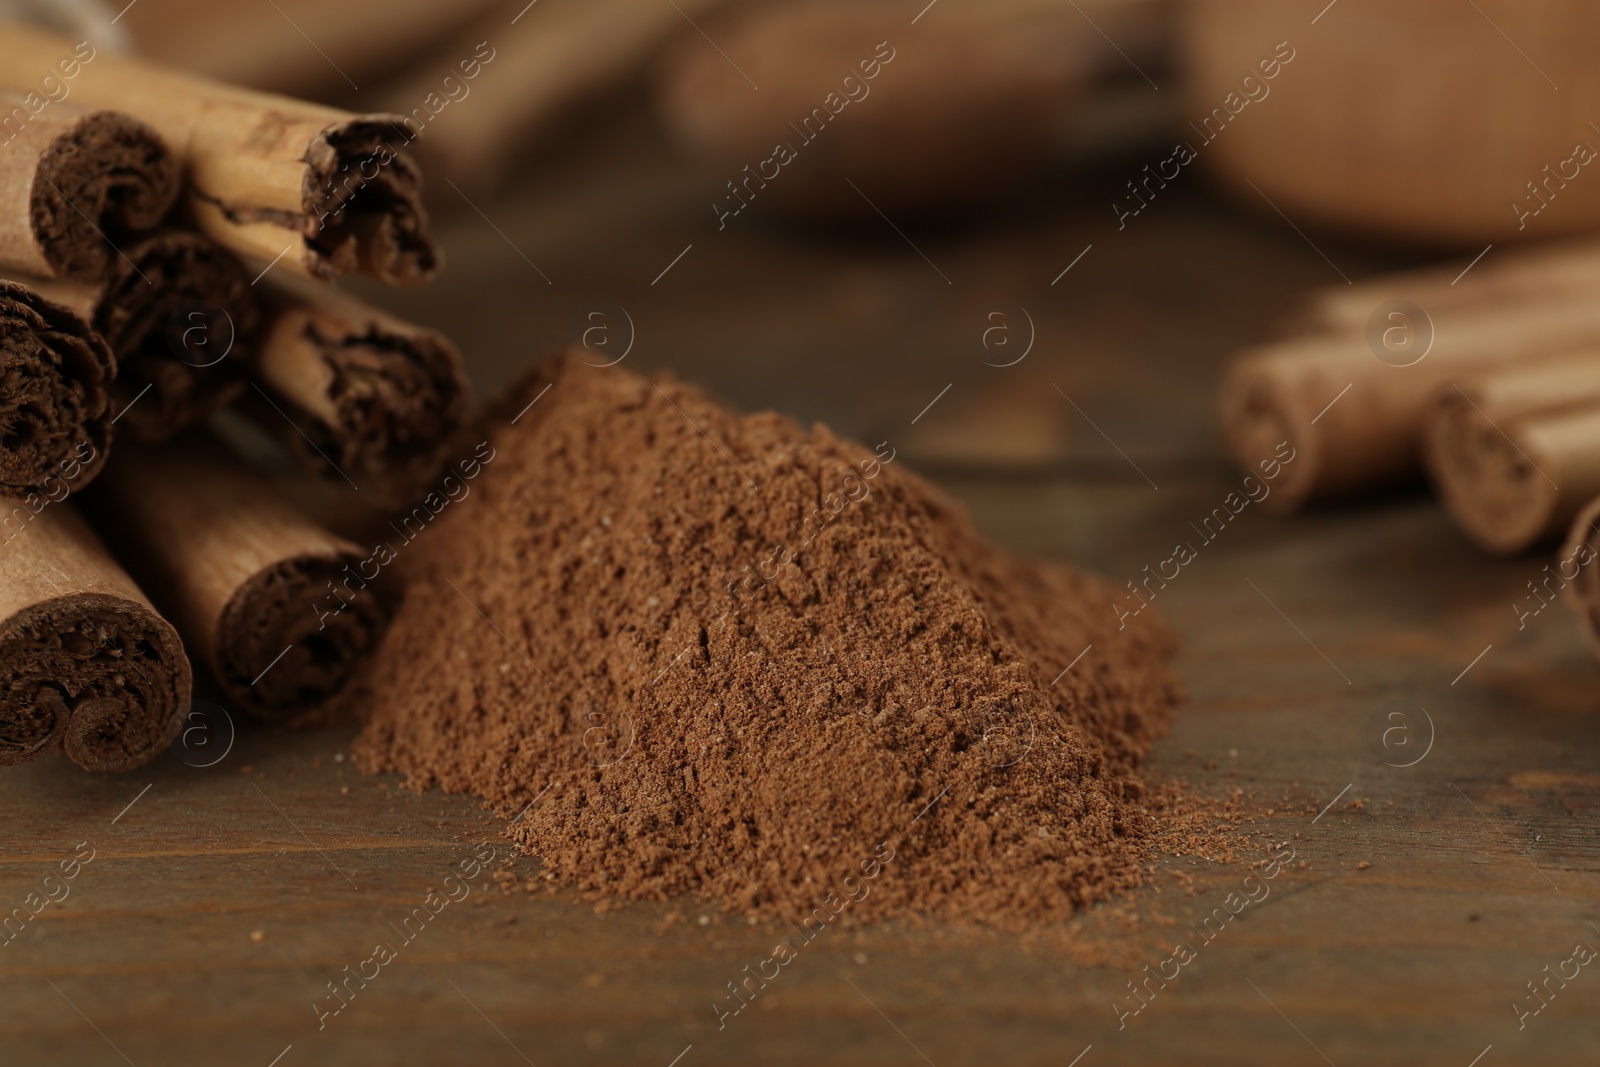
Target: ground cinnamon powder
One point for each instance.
(691, 652)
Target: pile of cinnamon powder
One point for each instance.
(691, 652)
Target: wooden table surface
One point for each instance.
(220, 901)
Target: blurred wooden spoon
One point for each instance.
(1440, 120)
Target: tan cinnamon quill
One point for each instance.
(178, 312)
(1566, 271)
(55, 409)
(265, 598)
(1515, 452)
(85, 661)
(1579, 564)
(74, 184)
(1354, 420)
(319, 189)
(354, 391)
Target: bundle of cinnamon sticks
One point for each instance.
(1487, 380)
(167, 247)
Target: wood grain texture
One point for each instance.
(1483, 857)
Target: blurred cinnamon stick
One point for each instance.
(85, 661)
(356, 392)
(321, 190)
(263, 46)
(1566, 271)
(1577, 565)
(73, 184)
(1515, 452)
(274, 605)
(971, 99)
(55, 409)
(1354, 420)
(529, 78)
(178, 312)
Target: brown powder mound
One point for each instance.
(693, 652)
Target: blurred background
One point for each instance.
(1018, 239)
(1006, 183)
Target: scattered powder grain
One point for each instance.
(696, 653)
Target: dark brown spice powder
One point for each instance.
(693, 652)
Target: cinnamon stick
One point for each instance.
(1577, 565)
(274, 605)
(178, 312)
(489, 94)
(355, 392)
(85, 661)
(263, 46)
(978, 102)
(267, 176)
(73, 184)
(55, 407)
(1569, 270)
(1515, 452)
(1355, 421)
